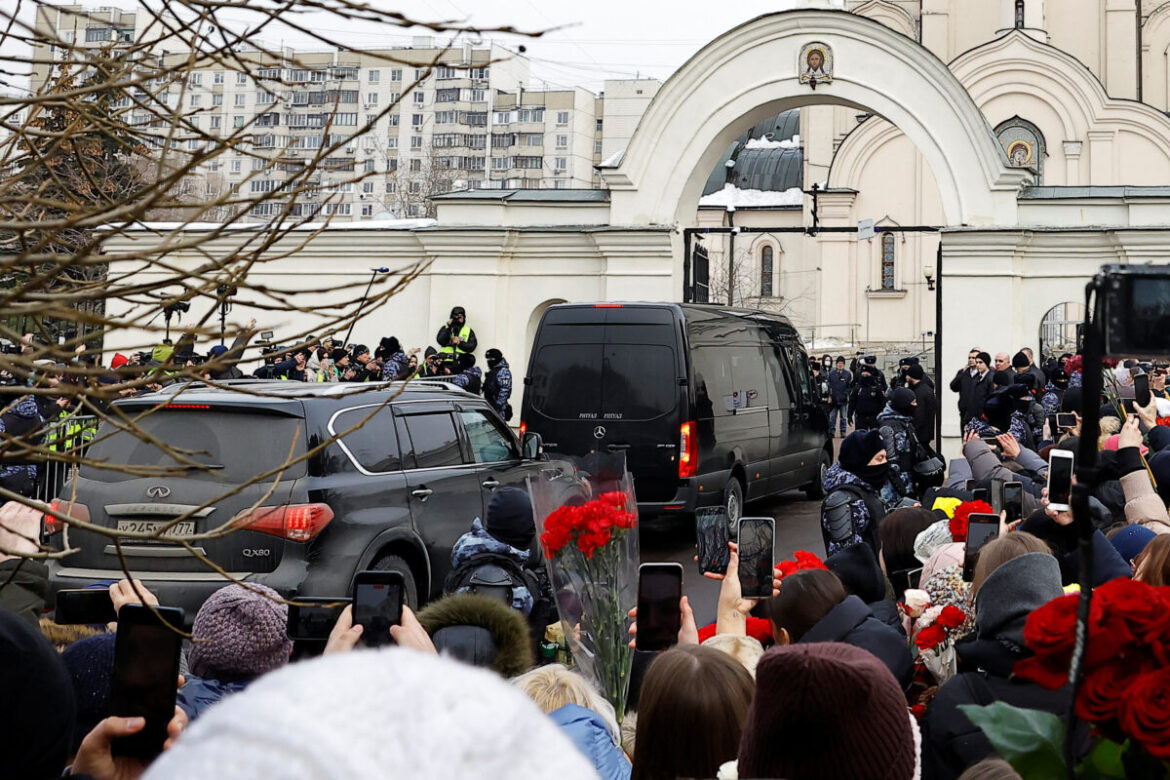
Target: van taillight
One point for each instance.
(688, 455)
(55, 525)
(295, 522)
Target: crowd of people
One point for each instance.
(830, 677)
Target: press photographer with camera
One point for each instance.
(456, 337)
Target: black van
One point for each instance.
(711, 404)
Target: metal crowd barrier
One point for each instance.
(70, 435)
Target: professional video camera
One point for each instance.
(8, 348)
(1133, 310)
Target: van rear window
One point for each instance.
(234, 447)
(604, 381)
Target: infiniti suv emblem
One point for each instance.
(599, 432)
(158, 491)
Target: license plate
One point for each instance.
(183, 528)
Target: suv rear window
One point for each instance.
(373, 445)
(239, 445)
(604, 381)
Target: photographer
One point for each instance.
(456, 337)
(224, 360)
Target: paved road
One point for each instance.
(797, 528)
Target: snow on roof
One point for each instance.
(362, 224)
(614, 160)
(765, 143)
(731, 195)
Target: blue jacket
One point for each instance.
(839, 384)
(588, 732)
(197, 694)
(853, 623)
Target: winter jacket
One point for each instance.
(497, 387)
(24, 585)
(868, 396)
(925, 412)
(589, 733)
(973, 391)
(467, 341)
(235, 353)
(1051, 399)
(853, 623)
(857, 568)
(950, 741)
(901, 444)
(469, 379)
(22, 421)
(1143, 505)
(986, 466)
(285, 369)
(839, 384)
(197, 694)
(396, 367)
(848, 518)
(1063, 540)
(478, 541)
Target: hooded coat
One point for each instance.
(851, 622)
(589, 733)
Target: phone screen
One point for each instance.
(981, 529)
(979, 494)
(996, 495)
(755, 557)
(87, 606)
(146, 676)
(1141, 389)
(316, 618)
(969, 485)
(1066, 420)
(659, 618)
(377, 605)
(1013, 501)
(712, 533)
(905, 579)
(1060, 471)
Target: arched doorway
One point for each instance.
(755, 70)
(1059, 328)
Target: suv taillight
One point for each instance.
(55, 525)
(688, 455)
(523, 428)
(295, 522)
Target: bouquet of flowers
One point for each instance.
(587, 523)
(1125, 692)
(958, 522)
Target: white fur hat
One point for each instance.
(374, 713)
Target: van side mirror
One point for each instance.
(532, 445)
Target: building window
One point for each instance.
(416, 165)
(562, 117)
(562, 163)
(416, 142)
(420, 98)
(240, 98)
(195, 101)
(887, 261)
(215, 123)
(217, 77)
(241, 78)
(367, 210)
(562, 141)
(372, 98)
(373, 76)
(217, 99)
(236, 166)
(766, 272)
(1019, 14)
(396, 75)
(416, 120)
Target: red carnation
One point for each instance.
(958, 524)
(951, 617)
(1144, 713)
(806, 560)
(930, 637)
(785, 568)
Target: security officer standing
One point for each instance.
(497, 385)
(456, 337)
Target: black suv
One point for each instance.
(413, 465)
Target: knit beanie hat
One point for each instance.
(1071, 402)
(1131, 540)
(359, 350)
(36, 721)
(858, 449)
(1059, 377)
(90, 663)
(509, 517)
(1020, 360)
(826, 710)
(916, 372)
(338, 354)
(985, 357)
(239, 633)
(119, 360)
(369, 714)
(1001, 378)
(216, 351)
(858, 570)
(902, 401)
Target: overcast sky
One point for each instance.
(590, 40)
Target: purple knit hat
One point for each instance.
(239, 633)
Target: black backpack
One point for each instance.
(474, 384)
(494, 575)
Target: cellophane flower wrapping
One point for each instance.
(587, 521)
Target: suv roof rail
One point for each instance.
(438, 383)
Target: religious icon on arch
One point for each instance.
(1020, 154)
(816, 64)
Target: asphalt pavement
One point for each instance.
(797, 528)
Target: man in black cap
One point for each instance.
(497, 385)
(973, 384)
(869, 395)
(456, 337)
(927, 407)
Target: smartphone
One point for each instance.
(1066, 420)
(904, 580)
(659, 618)
(991, 442)
(996, 495)
(981, 529)
(1141, 389)
(712, 533)
(146, 675)
(756, 538)
(980, 494)
(314, 616)
(1053, 427)
(1013, 500)
(89, 606)
(969, 485)
(1060, 471)
(377, 605)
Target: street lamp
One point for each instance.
(928, 272)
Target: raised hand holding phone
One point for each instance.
(659, 610)
(756, 556)
(146, 669)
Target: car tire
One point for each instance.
(733, 500)
(394, 563)
(815, 491)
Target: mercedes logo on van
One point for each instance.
(599, 432)
(158, 491)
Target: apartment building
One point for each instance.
(401, 124)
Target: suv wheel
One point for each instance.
(733, 501)
(815, 491)
(394, 563)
